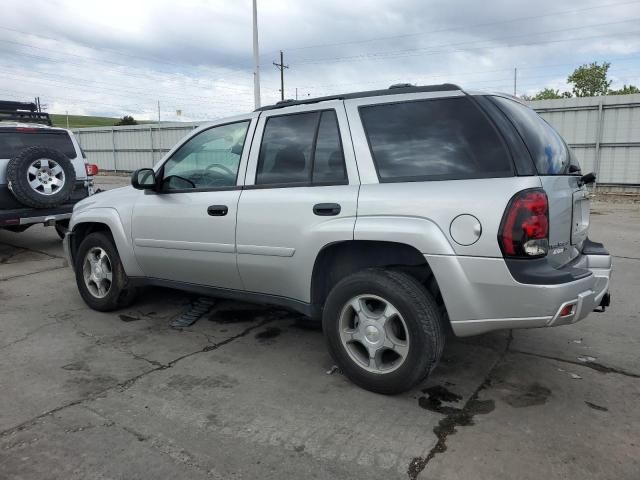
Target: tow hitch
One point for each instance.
(604, 303)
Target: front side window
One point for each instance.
(547, 148)
(439, 139)
(301, 149)
(208, 160)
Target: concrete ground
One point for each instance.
(249, 392)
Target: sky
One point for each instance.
(115, 58)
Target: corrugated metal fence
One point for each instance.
(131, 147)
(604, 133)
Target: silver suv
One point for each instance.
(394, 216)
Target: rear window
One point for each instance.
(547, 148)
(439, 139)
(13, 141)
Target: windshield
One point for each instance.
(550, 153)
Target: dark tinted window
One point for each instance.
(300, 149)
(328, 162)
(547, 148)
(440, 139)
(13, 141)
(285, 152)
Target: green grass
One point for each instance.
(80, 121)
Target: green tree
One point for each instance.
(590, 80)
(127, 120)
(550, 94)
(625, 90)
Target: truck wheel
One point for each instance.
(100, 277)
(41, 177)
(383, 329)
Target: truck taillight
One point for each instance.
(92, 169)
(524, 230)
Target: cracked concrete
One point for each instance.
(244, 393)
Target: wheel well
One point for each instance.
(336, 261)
(81, 231)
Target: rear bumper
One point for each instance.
(482, 295)
(29, 216)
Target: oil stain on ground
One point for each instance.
(268, 334)
(455, 417)
(527, 395)
(600, 408)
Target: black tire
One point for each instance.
(420, 313)
(19, 176)
(62, 227)
(120, 294)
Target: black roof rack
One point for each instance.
(24, 112)
(392, 90)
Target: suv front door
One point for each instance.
(300, 194)
(185, 231)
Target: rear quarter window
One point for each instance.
(12, 141)
(438, 139)
(550, 153)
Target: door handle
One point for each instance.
(217, 210)
(326, 209)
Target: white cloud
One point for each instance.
(121, 57)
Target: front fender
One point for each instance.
(121, 235)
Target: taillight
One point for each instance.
(92, 169)
(524, 231)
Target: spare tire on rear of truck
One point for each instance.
(41, 177)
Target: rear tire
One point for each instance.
(100, 276)
(383, 329)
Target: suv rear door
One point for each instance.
(559, 173)
(299, 196)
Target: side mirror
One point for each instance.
(587, 179)
(144, 179)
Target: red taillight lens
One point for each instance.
(92, 169)
(524, 231)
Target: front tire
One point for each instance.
(100, 276)
(383, 329)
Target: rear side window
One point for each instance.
(440, 139)
(547, 148)
(12, 141)
(301, 149)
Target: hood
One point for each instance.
(109, 199)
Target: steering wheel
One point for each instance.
(221, 167)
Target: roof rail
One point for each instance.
(392, 90)
(24, 112)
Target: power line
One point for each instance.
(466, 28)
(426, 50)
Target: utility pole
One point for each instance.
(281, 66)
(158, 111)
(515, 81)
(256, 58)
(67, 119)
(296, 93)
